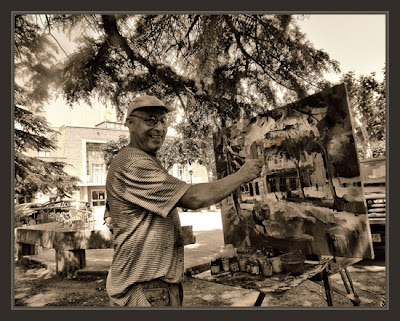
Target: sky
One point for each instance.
(357, 41)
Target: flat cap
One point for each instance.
(146, 101)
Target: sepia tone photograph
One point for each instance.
(219, 160)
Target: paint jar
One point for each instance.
(215, 266)
(234, 264)
(227, 251)
(253, 266)
(265, 266)
(242, 255)
(276, 264)
(242, 263)
(225, 264)
(293, 263)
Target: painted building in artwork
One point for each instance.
(280, 175)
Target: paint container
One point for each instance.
(243, 255)
(215, 266)
(225, 264)
(276, 264)
(265, 266)
(226, 252)
(253, 266)
(234, 264)
(293, 263)
(242, 263)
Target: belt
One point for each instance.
(157, 283)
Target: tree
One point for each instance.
(111, 148)
(293, 149)
(174, 151)
(34, 175)
(217, 68)
(367, 99)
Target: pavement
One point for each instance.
(368, 277)
(197, 256)
(207, 228)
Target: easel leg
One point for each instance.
(260, 299)
(350, 291)
(327, 286)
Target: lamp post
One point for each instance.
(191, 176)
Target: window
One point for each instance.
(98, 198)
(273, 185)
(256, 188)
(282, 184)
(98, 173)
(251, 189)
(44, 154)
(292, 182)
(95, 166)
(180, 172)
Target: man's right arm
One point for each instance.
(206, 194)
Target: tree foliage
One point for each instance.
(32, 174)
(174, 151)
(368, 101)
(217, 68)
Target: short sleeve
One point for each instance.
(148, 185)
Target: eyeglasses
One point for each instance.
(152, 121)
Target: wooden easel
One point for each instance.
(333, 266)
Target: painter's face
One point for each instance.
(147, 137)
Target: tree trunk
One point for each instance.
(329, 175)
(365, 139)
(299, 177)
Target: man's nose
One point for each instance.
(159, 126)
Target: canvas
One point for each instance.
(309, 196)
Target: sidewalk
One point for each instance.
(99, 260)
(207, 228)
(368, 277)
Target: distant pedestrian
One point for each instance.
(147, 267)
(107, 218)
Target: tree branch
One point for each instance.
(54, 38)
(247, 55)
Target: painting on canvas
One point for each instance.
(309, 196)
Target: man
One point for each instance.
(147, 266)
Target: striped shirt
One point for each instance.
(148, 243)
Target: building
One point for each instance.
(191, 174)
(81, 149)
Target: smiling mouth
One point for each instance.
(156, 136)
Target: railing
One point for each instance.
(67, 216)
